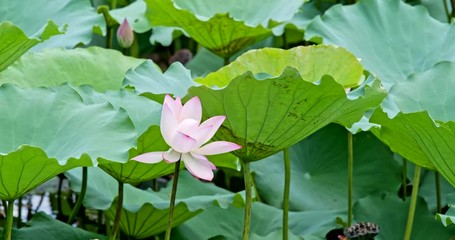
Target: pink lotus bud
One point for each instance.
(125, 35)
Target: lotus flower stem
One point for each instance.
(404, 178)
(172, 203)
(9, 220)
(287, 188)
(438, 191)
(412, 206)
(350, 175)
(118, 211)
(81, 197)
(248, 200)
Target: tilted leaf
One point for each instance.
(266, 116)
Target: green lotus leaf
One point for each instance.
(391, 213)
(148, 80)
(48, 131)
(220, 34)
(319, 171)
(42, 226)
(79, 17)
(311, 62)
(385, 37)
(146, 212)
(14, 42)
(104, 69)
(266, 116)
(265, 221)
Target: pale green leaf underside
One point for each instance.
(30, 15)
(44, 131)
(14, 42)
(104, 69)
(220, 34)
(386, 38)
(311, 62)
(266, 116)
(319, 163)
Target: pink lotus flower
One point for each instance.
(183, 131)
(125, 35)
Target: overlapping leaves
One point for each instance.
(46, 132)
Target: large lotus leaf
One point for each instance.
(45, 131)
(14, 42)
(148, 80)
(391, 213)
(79, 16)
(43, 226)
(266, 116)
(386, 38)
(147, 207)
(312, 63)
(319, 171)
(253, 13)
(104, 69)
(265, 220)
(220, 34)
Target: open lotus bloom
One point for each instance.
(183, 131)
